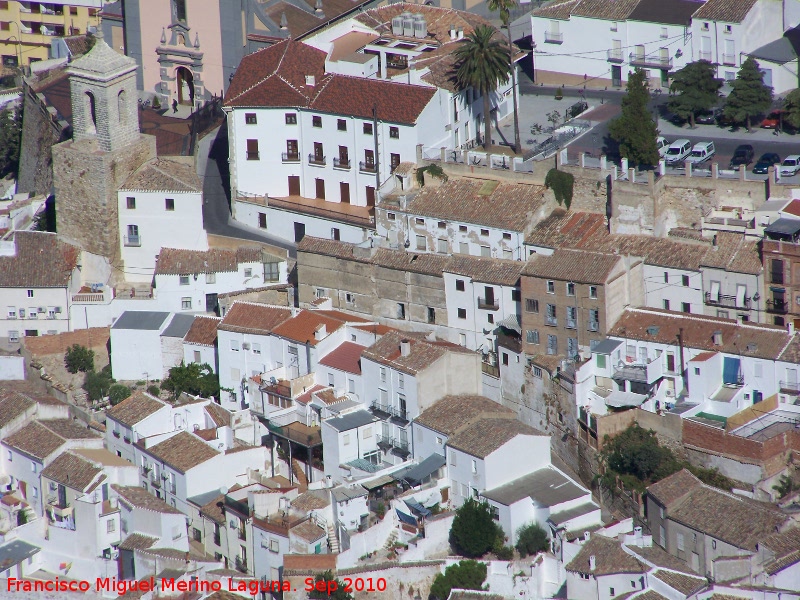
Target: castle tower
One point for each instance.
(106, 148)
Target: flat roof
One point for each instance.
(607, 346)
(784, 226)
(427, 467)
(15, 552)
(353, 420)
(179, 326)
(563, 516)
(148, 320)
(343, 494)
(546, 487)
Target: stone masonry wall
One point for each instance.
(115, 109)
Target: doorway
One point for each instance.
(616, 76)
(185, 81)
(299, 231)
(344, 191)
(294, 185)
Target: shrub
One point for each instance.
(117, 393)
(531, 540)
(79, 358)
(474, 531)
(154, 390)
(465, 575)
(97, 384)
(562, 184)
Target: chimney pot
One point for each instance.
(592, 562)
(717, 338)
(405, 348)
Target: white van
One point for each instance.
(678, 151)
(661, 145)
(701, 152)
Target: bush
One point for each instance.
(465, 575)
(532, 539)
(503, 552)
(97, 384)
(117, 393)
(154, 390)
(562, 184)
(474, 531)
(560, 93)
(79, 358)
(198, 380)
(339, 593)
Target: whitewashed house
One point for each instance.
(143, 513)
(200, 342)
(340, 369)
(603, 570)
(162, 200)
(350, 437)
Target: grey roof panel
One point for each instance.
(430, 465)
(351, 421)
(343, 494)
(571, 513)
(606, 346)
(15, 552)
(546, 487)
(778, 51)
(146, 320)
(179, 326)
(784, 226)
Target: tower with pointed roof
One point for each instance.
(105, 149)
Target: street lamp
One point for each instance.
(18, 37)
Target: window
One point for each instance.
(452, 458)
(131, 201)
(383, 375)
(248, 272)
(235, 346)
(462, 313)
(463, 248)
(705, 27)
(593, 292)
(34, 467)
(272, 271)
(421, 243)
(336, 234)
(531, 305)
(611, 592)
(460, 285)
(291, 118)
(197, 356)
(686, 307)
(331, 380)
(441, 246)
(685, 280)
(490, 318)
(186, 303)
(367, 128)
(316, 121)
(728, 28)
(613, 26)
(169, 204)
(341, 125)
(346, 439)
(111, 526)
(552, 345)
(680, 541)
(12, 312)
(441, 225)
(664, 33)
(394, 161)
(462, 229)
(183, 279)
(506, 236)
(394, 133)
(666, 304)
(401, 310)
(349, 298)
(250, 119)
(532, 336)
(516, 295)
(486, 252)
(431, 315)
(252, 150)
(391, 216)
(570, 289)
(474, 466)
(13, 336)
(666, 277)
(484, 232)
(551, 287)
(462, 339)
(505, 358)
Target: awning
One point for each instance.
(408, 519)
(378, 482)
(418, 509)
(619, 399)
(511, 322)
(730, 370)
(418, 473)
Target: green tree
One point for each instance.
(694, 89)
(482, 64)
(792, 107)
(464, 575)
(749, 96)
(635, 130)
(785, 486)
(79, 358)
(474, 531)
(339, 593)
(117, 393)
(97, 384)
(10, 140)
(532, 539)
(562, 184)
(504, 7)
(195, 379)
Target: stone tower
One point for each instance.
(106, 148)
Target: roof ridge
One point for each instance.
(260, 81)
(710, 319)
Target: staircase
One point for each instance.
(390, 540)
(333, 540)
(299, 474)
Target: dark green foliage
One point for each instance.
(338, 594)
(785, 486)
(792, 115)
(503, 552)
(504, 8)
(465, 575)
(694, 89)
(749, 96)
(433, 170)
(482, 64)
(562, 184)
(532, 539)
(474, 531)
(635, 130)
(117, 393)
(195, 379)
(97, 384)
(79, 358)
(153, 390)
(10, 140)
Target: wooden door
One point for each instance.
(320, 189)
(344, 190)
(370, 196)
(294, 185)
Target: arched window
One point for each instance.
(90, 111)
(181, 40)
(122, 109)
(179, 6)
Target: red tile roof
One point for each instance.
(301, 328)
(40, 261)
(174, 261)
(248, 317)
(347, 357)
(305, 397)
(276, 77)
(203, 331)
(793, 208)
(703, 356)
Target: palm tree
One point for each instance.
(482, 64)
(504, 8)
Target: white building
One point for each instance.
(36, 293)
(191, 280)
(162, 200)
(350, 437)
(200, 342)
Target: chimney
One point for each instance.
(637, 532)
(460, 33)
(717, 337)
(452, 32)
(405, 348)
(311, 81)
(790, 327)
(592, 562)
(318, 7)
(320, 332)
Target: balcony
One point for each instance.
(490, 370)
(155, 480)
(145, 471)
(367, 167)
(242, 534)
(790, 387)
(386, 411)
(317, 160)
(133, 240)
(58, 509)
(615, 56)
(729, 59)
(553, 37)
(593, 326)
(571, 323)
(395, 446)
(484, 304)
(704, 55)
(648, 373)
(241, 564)
(116, 434)
(253, 156)
(650, 61)
(290, 157)
(778, 307)
(727, 301)
(341, 163)
(552, 321)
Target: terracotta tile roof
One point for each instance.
(671, 489)
(573, 265)
(387, 351)
(746, 339)
(510, 206)
(137, 407)
(486, 270)
(562, 228)
(483, 437)
(248, 317)
(137, 541)
(77, 44)
(35, 440)
(214, 509)
(560, 9)
(687, 233)
(658, 557)
(347, 358)
(610, 558)
(308, 531)
(173, 261)
(45, 345)
(101, 456)
(734, 253)
(72, 471)
(311, 500)
(793, 208)
(728, 11)
(69, 429)
(13, 405)
(141, 498)
(425, 264)
(219, 415)
(162, 175)
(651, 595)
(685, 584)
(41, 260)
(309, 562)
(305, 397)
(183, 451)
(329, 248)
(376, 329)
(276, 77)
(303, 325)
(203, 331)
(341, 315)
(614, 10)
(785, 546)
(451, 413)
(704, 356)
(301, 17)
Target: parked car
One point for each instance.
(765, 162)
(772, 121)
(661, 145)
(701, 152)
(790, 165)
(742, 156)
(708, 117)
(678, 151)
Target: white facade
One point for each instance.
(732, 295)
(200, 354)
(673, 289)
(36, 311)
(143, 350)
(344, 442)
